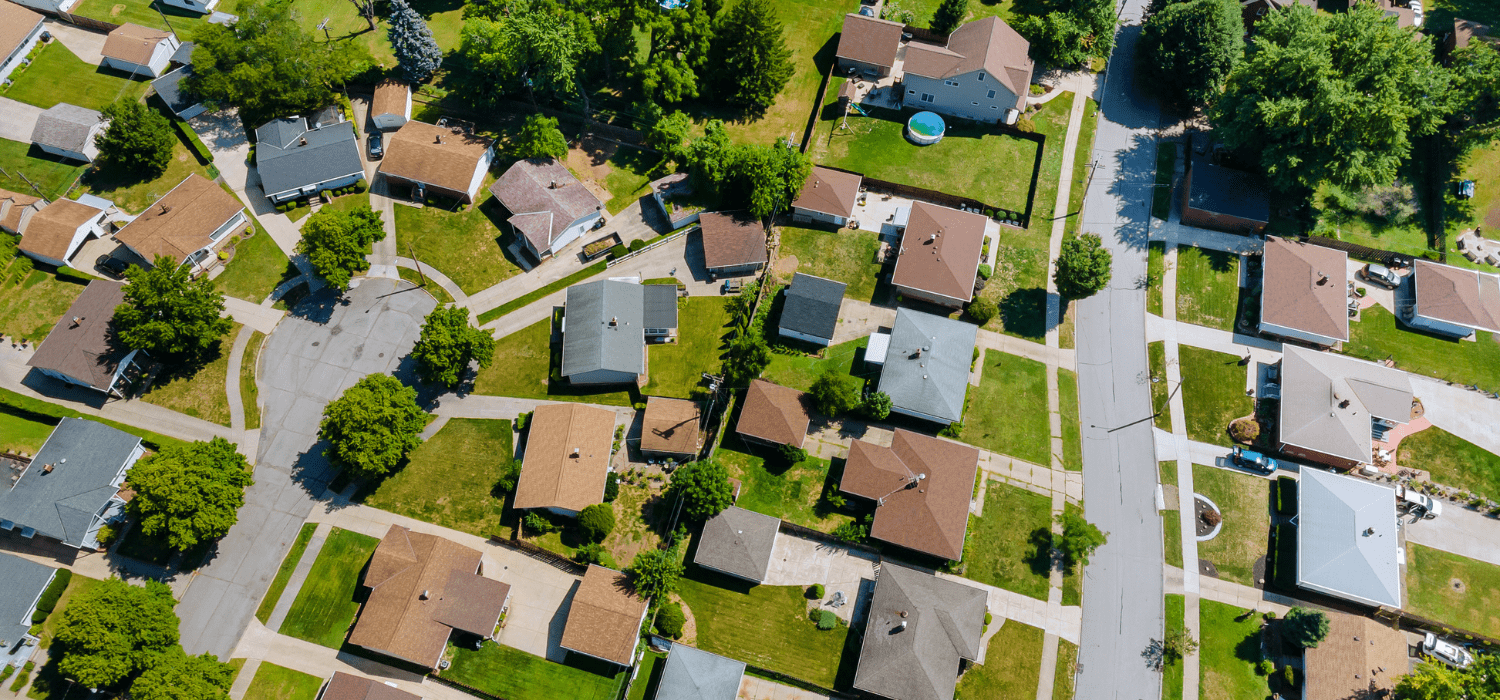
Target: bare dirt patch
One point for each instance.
(589, 160)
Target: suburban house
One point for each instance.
(1360, 658)
(68, 131)
(738, 542)
(1304, 292)
(919, 630)
(16, 210)
(299, 157)
(1449, 301)
(828, 196)
(921, 488)
(442, 160)
(188, 225)
(567, 456)
(549, 208)
(868, 45)
(811, 310)
(692, 674)
(607, 325)
(138, 50)
(606, 616)
(22, 582)
(175, 95)
(1466, 32)
(53, 234)
(81, 349)
(422, 589)
(983, 74)
(926, 370)
(1348, 545)
(345, 686)
(20, 29)
(71, 487)
(1331, 404)
(669, 429)
(391, 106)
(734, 243)
(774, 415)
(1224, 199)
(939, 257)
(183, 56)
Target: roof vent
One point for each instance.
(425, 594)
(1344, 403)
(575, 453)
(1369, 531)
(614, 321)
(440, 139)
(302, 141)
(165, 209)
(903, 613)
(901, 626)
(1322, 279)
(76, 320)
(47, 469)
(552, 185)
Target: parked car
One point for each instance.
(377, 145)
(1446, 651)
(112, 265)
(1416, 12)
(1409, 500)
(1253, 460)
(1381, 275)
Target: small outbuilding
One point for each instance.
(811, 310)
(734, 243)
(174, 93)
(828, 196)
(68, 131)
(139, 51)
(739, 543)
(391, 106)
(605, 619)
(868, 45)
(669, 429)
(53, 234)
(774, 415)
(1224, 199)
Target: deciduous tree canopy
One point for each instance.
(336, 242)
(540, 138)
(1065, 33)
(448, 344)
(1083, 267)
(139, 139)
(1189, 48)
(373, 426)
(704, 488)
(191, 493)
(113, 631)
(177, 676)
(169, 314)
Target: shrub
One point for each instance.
(1038, 89)
(361, 187)
(106, 536)
(670, 620)
(826, 620)
(1244, 430)
(792, 454)
(20, 682)
(596, 522)
(1286, 495)
(982, 310)
(538, 524)
(988, 618)
(6, 670)
(1025, 125)
(1269, 615)
(48, 601)
(595, 553)
(637, 244)
(1289, 676)
(1265, 667)
(852, 531)
(618, 251)
(815, 591)
(953, 430)
(1304, 628)
(985, 271)
(611, 487)
(639, 407)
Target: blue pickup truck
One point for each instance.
(1254, 461)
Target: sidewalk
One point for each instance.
(254, 316)
(1185, 507)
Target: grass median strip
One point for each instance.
(284, 574)
(325, 607)
(553, 288)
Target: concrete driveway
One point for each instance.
(1458, 531)
(84, 44)
(802, 562)
(17, 120)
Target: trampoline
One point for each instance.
(925, 128)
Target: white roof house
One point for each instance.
(1347, 544)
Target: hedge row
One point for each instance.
(358, 187)
(48, 601)
(205, 156)
(1286, 495)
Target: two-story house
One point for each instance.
(983, 74)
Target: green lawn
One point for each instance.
(257, 267)
(444, 18)
(274, 682)
(249, 392)
(525, 359)
(1228, 653)
(1072, 432)
(1171, 672)
(630, 173)
(1378, 335)
(1010, 546)
(131, 193)
(1012, 664)
(528, 298)
(325, 607)
(1083, 160)
(197, 391)
(1155, 266)
(57, 75)
(1003, 413)
(22, 435)
(1245, 502)
(1480, 164)
(467, 246)
(513, 674)
(1208, 287)
(1067, 670)
(145, 12)
(1213, 393)
(1161, 196)
(51, 174)
(642, 682)
(284, 574)
(449, 480)
(846, 255)
(1453, 589)
(1171, 529)
(766, 626)
(30, 304)
(1160, 394)
(436, 290)
(1452, 460)
(800, 371)
(677, 368)
(922, 10)
(793, 494)
(1019, 284)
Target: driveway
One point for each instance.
(86, 45)
(1459, 531)
(17, 120)
(802, 562)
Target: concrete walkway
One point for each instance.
(1067, 359)
(440, 279)
(503, 407)
(1062, 621)
(263, 645)
(299, 577)
(1229, 593)
(254, 316)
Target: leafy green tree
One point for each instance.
(1079, 538)
(773, 176)
(1069, 32)
(982, 309)
(1083, 267)
(669, 135)
(336, 242)
(670, 620)
(111, 632)
(835, 393)
(176, 676)
(448, 344)
(709, 156)
(655, 572)
(750, 54)
(139, 139)
(1432, 681)
(529, 50)
(877, 405)
(1189, 48)
(169, 314)
(791, 454)
(1331, 97)
(1304, 627)
(190, 493)
(949, 15)
(703, 487)
(1476, 88)
(748, 357)
(540, 138)
(1177, 644)
(417, 53)
(595, 522)
(373, 426)
(678, 56)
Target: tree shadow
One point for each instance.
(1023, 312)
(1040, 558)
(1131, 185)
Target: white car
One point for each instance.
(1416, 12)
(1446, 651)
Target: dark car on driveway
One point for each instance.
(112, 265)
(1381, 275)
(377, 145)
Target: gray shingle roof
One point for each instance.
(927, 366)
(285, 163)
(660, 306)
(1346, 538)
(605, 328)
(62, 504)
(812, 306)
(184, 53)
(739, 542)
(1327, 401)
(170, 89)
(1222, 190)
(691, 674)
(21, 583)
(65, 126)
(944, 620)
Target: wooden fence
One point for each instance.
(80, 21)
(1383, 257)
(1015, 218)
(1404, 618)
(926, 36)
(812, 119)
(545, 556)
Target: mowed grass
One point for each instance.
(1072, 432)
(32, 302)
(1213, 393)
(1228, 652)
(1452, 460)
(1010, 546)
(522, 367)
(676, 368)
(1156, 353)
(922, 10)
(467, 246)
(800, 371)
(145, 12)
(1378, 335)
(326, 605)
(792, 493)
(22, 435)
(1067, 670)
(513, 674)
(1171, 672)
(845, 255)
(1245, 503)
(249, 391)
(1208, 287)
(1005, 413)
(274, 682)
(58, 75)
(444, 18)
(133, 193)
(1012, 663)
(257, 267)
(1155, 267)
(766, 626)
(450, 479)
(809, 27)
(1083, 166)
(284, 574)
(197, 391)
(1457, 590)
(51, 175)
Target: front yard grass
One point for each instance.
(513, 674)
(1452, 460)
(1161, 405)
(1083, 161)
(325, 607)
(523, 365)
(284, 574)
(1171, 671)
(922, 10)
(51, 174)
(1208, 287)
(1245, 503)
(249, 391)
(467, 246)
(1161, 195)
(799, 371)
(197, 391)
(766, 626)
(31, 302)
(274, 682)
(1433, 590)
(1067, 665)
(1155, 267)
(1072, 432)
(1019, 284)
(1010, 547)
(1003, 413)
(1228, 653)
(537, 294)
(1012, 664)
(57, 75)
(450, 479)
(1378, 335)
(793, 494)
(257, 267)
(132, 193)
(846, 256)
(676, 368)
(1213, 393)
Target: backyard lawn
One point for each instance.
(676, 368)
(1155, 266)
(1452, 460)
(766, 626)
(922, 10)
(1460, 591)
(144, 12)
(1228, 653)
(1208, 287)
(51, 174)
(249, 392)
(22, 435)
(513, 674)
(257, 267)
(274, 682)
(847, 256)
(1019, 284)
(57, 75)
(1245, 502)
(799, 371)
(284, 574)
(449, 480)
(1012, 664)
(1072, 432)
(1171, 672)
(467, 246)
(325, 607)
(31, 302)
(1378, 335)
(1010, 547)
(1213, 393)
(133, 194)
(525, 361)
(1004, 413)
(197, 391)
(793, 494)
(641, 685)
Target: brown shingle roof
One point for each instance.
(398, 620)
(1358, 655)
(567, 457)
(543, 198)
(16, 23)
(731, 239)
(179, 224)
(86, 351)
(870, 40)
(605, 618)
(774, 413)
(12, 204)
(416, 153)
(133, 43)
(829, 192)
(1305, 288)
(670, 425)
(390, 97)
(344, 686)
(933, 516)
(940, 251)
(989, 44)
(50, 231)
(1465, 297)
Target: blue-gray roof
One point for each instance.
(1347, 544)
(812, 306)
(927, 366)
(184, 54)
(693, 674)
(605, 328)
(660, 306)
(170, 89)
(86, 457)
(1222, 190)
(21, 583)
(285, 162)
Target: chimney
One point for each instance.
(552, 185)
(1344, 403)
(440, 139)
(425, 594)
(47, 469)
(575, 453)
(1369, 531)
(1322, 279)
(901, 626)
(302, 141)
(76, 320)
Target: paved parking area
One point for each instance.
(796, 561)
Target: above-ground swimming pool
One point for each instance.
(925, 128)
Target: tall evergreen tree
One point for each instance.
(1189, 48)
(416, 51)
(949, 15)
(751, 55)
